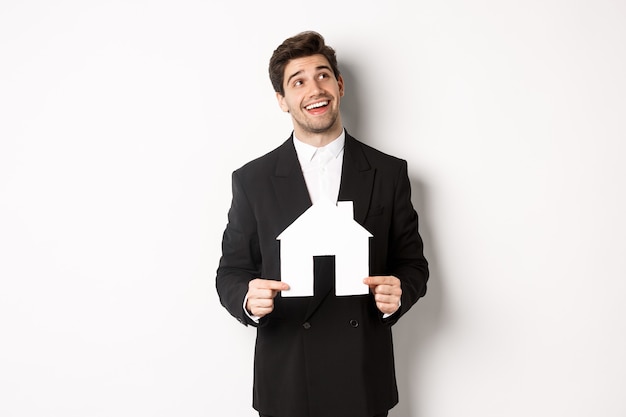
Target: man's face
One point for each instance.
(312, 96)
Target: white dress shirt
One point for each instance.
(322, 167)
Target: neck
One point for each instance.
(319, 139)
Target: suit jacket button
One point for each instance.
(306, 325)
(354, 323)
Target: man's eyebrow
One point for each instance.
(295, 74)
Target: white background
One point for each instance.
(121, 122)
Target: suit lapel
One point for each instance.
(357, 179)
(289, 185)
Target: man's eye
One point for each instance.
(297, 83)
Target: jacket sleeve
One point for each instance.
(241, 257)
(406, 250)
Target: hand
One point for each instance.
(387, 292)
(260, 296)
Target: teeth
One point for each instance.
(316, 105)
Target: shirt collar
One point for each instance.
(306, 152)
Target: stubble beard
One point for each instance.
(322, 126)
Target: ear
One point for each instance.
(281, 102)
(340, 83)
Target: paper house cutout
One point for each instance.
(325, 229)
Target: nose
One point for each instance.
(316, 87)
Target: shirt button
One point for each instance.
(306, 325)
(354, 323)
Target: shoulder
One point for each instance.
(374, 157)
(265, 163)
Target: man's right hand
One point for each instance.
(260, 296)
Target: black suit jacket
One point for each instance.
(322, 356)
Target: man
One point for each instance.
(325, 355)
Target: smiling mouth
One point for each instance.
(317, 105)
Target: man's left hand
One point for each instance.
(387, 292)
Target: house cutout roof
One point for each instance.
(325, 229)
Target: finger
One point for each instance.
(387, 290)
(268, 284)
(387, 299)
(261, 303)
(261, 311)
(261, 293)
(381, 280)
(387, 308)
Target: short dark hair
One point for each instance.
(301, 45)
